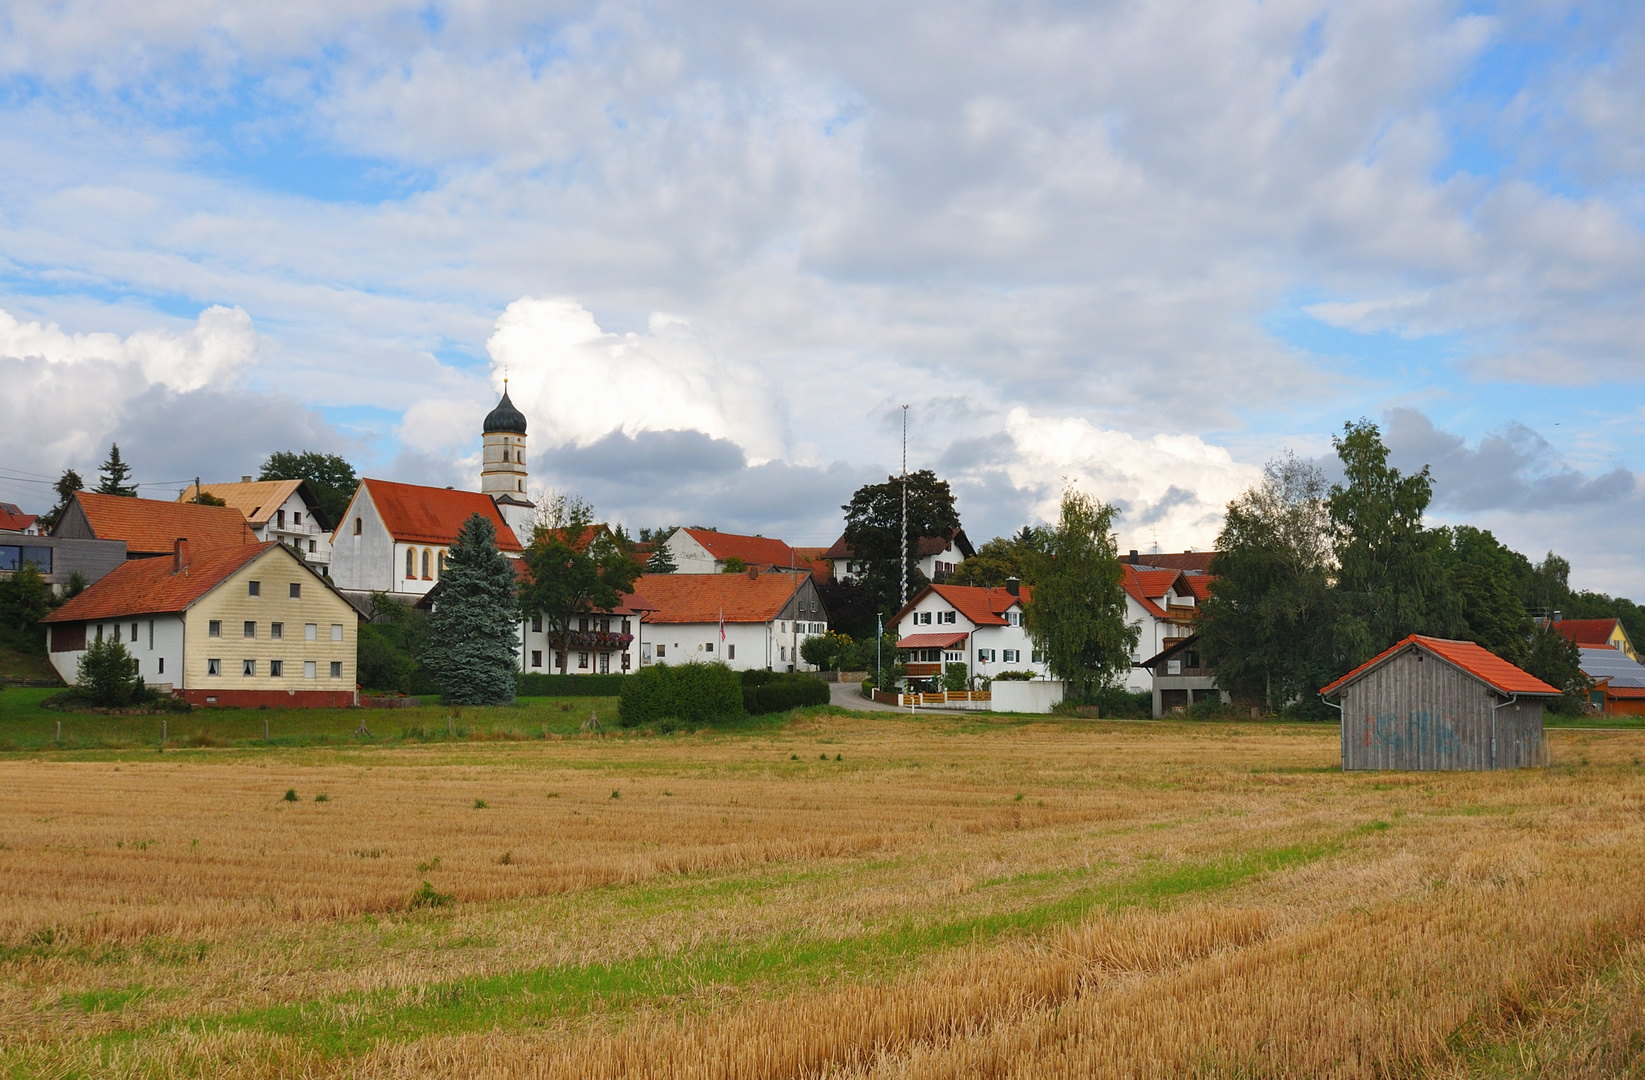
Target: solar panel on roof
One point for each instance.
(1614, 665)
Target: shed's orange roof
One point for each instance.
(151, 527)
(149, 587)
(431, 515)
(706, 598)
(753, 550)
(1477, 661)
(1590, 632)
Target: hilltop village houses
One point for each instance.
(258, 600)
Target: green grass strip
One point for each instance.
(529, 998)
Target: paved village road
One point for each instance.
(849, 696)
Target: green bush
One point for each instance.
(1119, 703)
(1014, 676)
(784, 692)
(693, 693)
(382, 663)
(108, 675)
(571, 685)
(868, 687)
(756, 676)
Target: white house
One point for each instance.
(249, 625)
(705, 551)
(393, 537)
(597, 643)
(1163, 604)
(285, 511)
(750, 620)
(938, 557)
(965, 624)
(13, 520)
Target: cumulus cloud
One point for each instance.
(171, 398)
(577, 383)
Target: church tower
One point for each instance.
(502, 468)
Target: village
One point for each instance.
(252, 594)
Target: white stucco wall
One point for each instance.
(158, 647)
(1024, 697)
(363, 561)
(299, 527)
(537, 641)
(747, 646)
(689, 556)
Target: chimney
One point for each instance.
(753, 573)
(179, 555)
(245, 479)
(1132, 559)
(1013, 586)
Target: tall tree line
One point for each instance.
(1313, 580)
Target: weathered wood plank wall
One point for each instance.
(1416, 711)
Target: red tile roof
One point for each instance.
(753, 550)
(151, 527)
(931, 641)
(1148, 587)
(838, 550)
(14, 520)
(1483, 665)
(704, 598)
(1590, 632)
(1200, 584)
(431, 515)
(148, 586)
(925, 545)
(984, 607)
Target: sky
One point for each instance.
(1138, 248)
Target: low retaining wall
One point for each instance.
(273, 699)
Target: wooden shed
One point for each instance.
(1429, 703)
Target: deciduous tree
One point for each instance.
(573, 569)
(1266, 629)
(1076, 615)
(873, 531)
(330, 475)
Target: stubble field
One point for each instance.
(856, 896)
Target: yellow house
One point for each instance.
(244, 625)
(1598, 634)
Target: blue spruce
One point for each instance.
(471, 641)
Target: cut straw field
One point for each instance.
(855, 896)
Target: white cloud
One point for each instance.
(577, 383)
(219, 344)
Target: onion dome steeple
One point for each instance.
(505, 417)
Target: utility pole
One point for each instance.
(903, 553)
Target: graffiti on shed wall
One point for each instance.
(1422, 732)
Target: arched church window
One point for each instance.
(519, 485)
(411, 563)
(519, 457)
(425, 564)
(357, 526)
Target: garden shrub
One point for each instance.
(108, 675)
(571, 685)
(784, 691)
(693, 693)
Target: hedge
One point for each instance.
(571, 685)
(691, 693)
(784, 692)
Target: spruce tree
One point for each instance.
(113, 475)
(473, 631)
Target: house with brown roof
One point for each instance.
(248, 624)
(1433, 703)
(749, 620)
(967, 624)
(393, 538)
(1162, 604)
(706, 551)
(12, 519)
(1597, 634)
(285, 511)
(150, 527)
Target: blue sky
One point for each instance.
(1143, 247)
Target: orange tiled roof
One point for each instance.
(1590, 632)
(1148, 587)
(984, 607)
(14, 520)
(1200, 584)
(148, 586)
(753, 550)
(430, 515)
(1483, 665)
(839, 549)
(151, 527)
(256, 499)
(703, 598)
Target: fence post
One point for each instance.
(265, 729)
(59, 731)
(162, 731)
